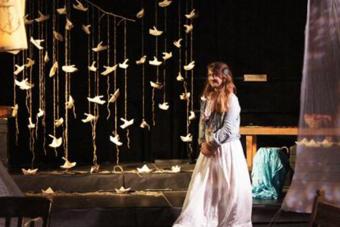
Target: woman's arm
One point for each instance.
(201, 124)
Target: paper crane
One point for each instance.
(191, 15)
(109, 69)
(92, 67)
(69, 68)
(67, 164)
(41, 17)
(140, 14)
(155, 32)
(97, 99)
(56, 142)
(115, 140)
(124, 65)
(126, 123)
(79, 6)
(163, 106)
(89, 118)
(59, 122)
(144, 124)
(167, 55)
(37, 43)
(187, 138)
(188, 28)
(115, 96)
(23, 84)
(18, 69)
(189, 66)
(86, 29)
(141, 60)
(164, 3)
(156, 85)
(155, 62)
(99, 47)
(58, 36)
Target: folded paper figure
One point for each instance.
(140, 14)
(37, 43)
(23, 84)
(92, 67)
(191, 15)
(67, 164)
(144, 169)
(28, 21)
(40, 113)
(30, 63)
(141, 60)
(62, 11)
(124, 65)
(164, 3)
(79, 6)
(155, 62)
(18, 69)
(155, 32)
(89, 118)
(86, 29)
(30, 124)
(29, 171)
(59, 122)
(156, 85)
(175, 169)
(167, 55)
(68, 25)
(58, 36)
(179, 77)
(53, 69)
(42, 17)
(185, 96)
(122, 190)
(189, 66)
(188, 28)
(15, 110)
(46, 57)
(97, 99)
(69, 68)
(94, 168)
(56, 142)
(115, 140)
(192, 115)
(115, 96)
(70, 103)
(187, 138)
(144, 124)
(99, 47)
(126, 123)
(109, 69)
(163, 106)
(48, 191)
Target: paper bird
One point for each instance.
(155, 62)
(163, 106)
(58, 36)
(89, 118)
(23, 84)
(30, 63)
(79, 6)
(122, 190)
(27, 21)
(185, 96)
(30, 123)
(37, 43)
(115, 140)
(97, 99)
(188, 28)
(154, 31)
(53, 69)
(86, 29)
(167, 55)
(67, 164)
(29, 171)
(114, 97)
(179, 77)
(156, 85)
(92, 68)
(62, 11)
(192, 116)
(191, 15)
(18, 69)
(49, 191)
(187, 138)
(144, 169)
(46, 57)
(99, 47)
(109, 69)
(68, 25)
(42, 17)
(69, 68)
(177, 43)
(126, 123)
(56, 142)
(70, 103)
(59, 122)
(164, 3)
(15, 109)
(124, 65)
(140, 14)
(40, 113)
(144, 124)
(175, 169)
(189, 66)
(141, 60)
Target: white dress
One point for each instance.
(219, 193)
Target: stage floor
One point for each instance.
(84, 199)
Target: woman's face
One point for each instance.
(215, 80)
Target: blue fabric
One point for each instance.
(270, 167)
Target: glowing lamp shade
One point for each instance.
(12, 27)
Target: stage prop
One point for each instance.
(318, 147)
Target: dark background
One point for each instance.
(260, 37)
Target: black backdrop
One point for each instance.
(251, 36)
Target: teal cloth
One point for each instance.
(269, 173)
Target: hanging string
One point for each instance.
(14, 105)
(157, 69)
(179, 36)
(54, 59)
(126, 90)
(165, 49)
(108, 63)
(192, 82)
(143, 66)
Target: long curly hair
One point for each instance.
(220, 95)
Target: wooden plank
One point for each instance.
(263, 130)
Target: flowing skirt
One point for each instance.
(219, 193)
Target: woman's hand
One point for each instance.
(207, 150)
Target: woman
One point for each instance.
(219, 193)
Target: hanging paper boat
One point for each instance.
(37, 43)
(67, 164)
(68, 25)
(46, 57)
(23, 84)
(122, 190)
(79, 6)
(18, 69)
(29, 171)
(30, 63)
(92, 67)
(141, 60)
(58, 36)
(155, 32)
(30, 124)
(89, 118)
(41, 17)
(140, 14)
(188, 28)
(86, 29)
(192, 116)
(40, 113)
(124, 65)
(115, 140)
(53, 69)
(115, 96)
(144, 169)
(28, 21)
(109, 69)
(187, 138)
(203, 98)
(167, 55)
(164, 3)
(179, 77)
(94, 169)
(177, 43)
(59, 122)
(48, 191)
(144, 124)
(175, 169)
(70, 103)
(62, 11)
(69, 68)
(163, 106)
(191, 15)
(155, 62)
(189, 66)
(56, 142)
(185, 96)
(99, 47)
(126, 123)
(97, 99)
(326, 143)
(156, 85)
